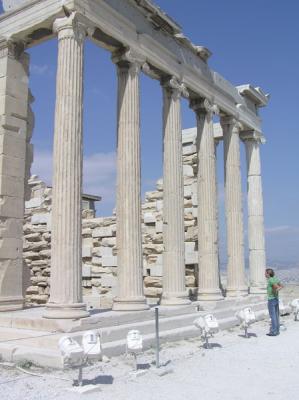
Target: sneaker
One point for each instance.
(272, 334)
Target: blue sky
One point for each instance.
(252, 42)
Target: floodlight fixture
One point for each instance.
(76, 356)
(295, 307)
(246, 317)
(71, 351)
(134, 344)
(91, 344)
(207, 325)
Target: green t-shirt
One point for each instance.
(272, 294)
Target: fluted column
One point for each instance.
(128, 204)
(174, 288)
(236, 282)
(66, 262)
(207, 219)
(256, 235)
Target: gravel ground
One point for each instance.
(237, 368)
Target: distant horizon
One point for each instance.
(271, 263)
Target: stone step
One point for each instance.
(41, 347)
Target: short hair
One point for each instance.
(270, 272)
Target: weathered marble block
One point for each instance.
(156, 270)
(37, 219)
(11, 186)
(96, 260)
(189, 149)
(108, 280)
(102, 232)
(86, 271)
(109, 261)
(105, 251)
(34, 203)
(86, 251)
(149, 218)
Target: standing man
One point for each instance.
(273, 288)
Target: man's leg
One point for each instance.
(273, 316)
(277, 317)
(270, 315)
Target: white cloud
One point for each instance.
(99, 175)
(42, 165)
(282, 230)
(40, 69)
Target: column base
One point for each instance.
(237, 292)
(65, 311)
(175, 299)
(209, 295)
(130, 304)
(11, 303)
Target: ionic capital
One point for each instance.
(9, 48)
(128, 58)
(230, 122)
(254, 136)
(176, 87)
(204, 107)
(70, 27)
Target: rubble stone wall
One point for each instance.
(99, 254)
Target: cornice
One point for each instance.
(255, 94)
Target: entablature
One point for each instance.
(129, 24)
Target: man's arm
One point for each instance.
(277, 286)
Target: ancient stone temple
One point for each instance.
(141, 39)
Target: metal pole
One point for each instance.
(207, 341)
(80, 376)
(157, 337)
(135, 362)
(246, 331)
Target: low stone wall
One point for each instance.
(99, 254)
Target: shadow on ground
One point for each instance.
(210, 346)
(99, 380)
(249, 335)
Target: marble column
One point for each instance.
(236, 282)
(256, 235)
(14, 98)
(128, 204)
(207, 220)
(66, 261)
(174, 288)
